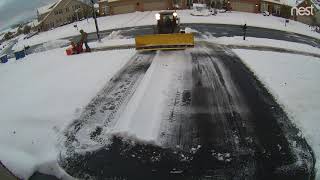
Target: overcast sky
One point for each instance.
(14, 11)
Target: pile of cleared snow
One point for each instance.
(251, 41)
(114, 35)
(39, 96)
(294, 81)
(147, 18)
(113, 39)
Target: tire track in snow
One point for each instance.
(208, 113)
(101, 113)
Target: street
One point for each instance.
(203, 30)
(216, 30)
(218, 122)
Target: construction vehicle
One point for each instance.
(167, 36)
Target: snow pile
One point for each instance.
(147, 18)
(294, 81)
(190, 30)
(39, 96)
(114, 35)
(251, 41)
(113, 39)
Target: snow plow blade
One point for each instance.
(164, 41)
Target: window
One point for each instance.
(264, 7)
(67, 9)
(276, 9)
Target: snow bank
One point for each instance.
(113, 39)
(147, 18)
(39, 96)
(251, 41)
(294, 81)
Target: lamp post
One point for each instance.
(95, 20)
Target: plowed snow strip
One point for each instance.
(142, 116)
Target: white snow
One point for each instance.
(147, 18)
(142, 116)
(294, 81)
(113, 39)
(39, 96)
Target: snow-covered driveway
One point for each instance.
(194, 113)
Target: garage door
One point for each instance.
(124, 9)
(242, 6)
(149, 6)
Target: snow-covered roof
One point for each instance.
(47, 8)
(33, 23)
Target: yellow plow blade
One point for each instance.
(164, 41)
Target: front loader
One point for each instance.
(168, 34)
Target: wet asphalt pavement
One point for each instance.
(221, 123)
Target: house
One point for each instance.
(112, 7)
(62, 12)
(103, 8)
(251, 6)
(312, 19)
(280, 8)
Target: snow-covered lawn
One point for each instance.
(294, 81)
(39, 96)
(147, 18)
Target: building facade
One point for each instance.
(62, 12)
(279, 8)
(251, 6)
(112, 7)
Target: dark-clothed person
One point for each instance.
(84, 40)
